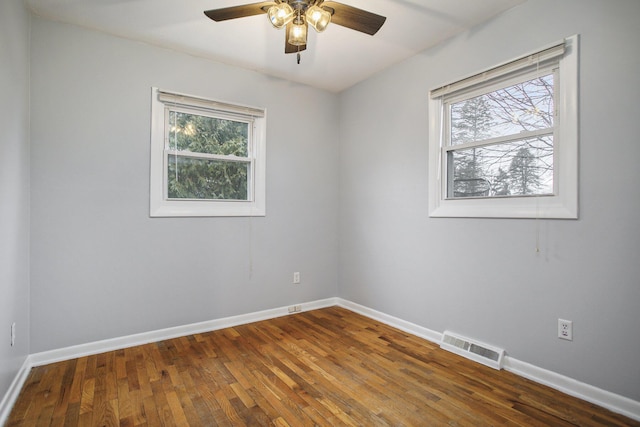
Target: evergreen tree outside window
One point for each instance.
(503, 143)
(208, 157)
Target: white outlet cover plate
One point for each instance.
(565, 329)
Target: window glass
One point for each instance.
(203, 134)
(207, 157)
(526, 106)
(496, 161)
(193, 178)
(518, 168)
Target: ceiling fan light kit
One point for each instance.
(298, 15)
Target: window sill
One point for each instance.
(182, 208)
(544, 207)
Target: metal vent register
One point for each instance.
(476, 351)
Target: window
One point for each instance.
(207, 157)
(503, 143)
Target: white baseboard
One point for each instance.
(611, 401)
(12, 394)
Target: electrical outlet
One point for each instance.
(296, 278)
(13, 334)
(295, 308)
(565, 329)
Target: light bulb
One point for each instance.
(318, 18)
(280, 15)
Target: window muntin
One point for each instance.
(207, 157)
(550, 130)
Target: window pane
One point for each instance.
(202, 134)
(191, 178)
(517, 168)
(526, 106)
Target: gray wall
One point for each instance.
(482, 277)
(101, 268)
(14, 188)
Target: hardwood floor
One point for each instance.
(318, 368)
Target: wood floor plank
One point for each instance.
(150, 414)
(328, 367)
(86, 402)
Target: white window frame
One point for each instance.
(564, 202)
(159, 203)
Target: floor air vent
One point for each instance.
(479, 352)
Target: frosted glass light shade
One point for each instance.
(298, 35)
(318, 18)
(280, 15)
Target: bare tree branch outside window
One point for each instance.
(510, 131)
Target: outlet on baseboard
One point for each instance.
(295, 308)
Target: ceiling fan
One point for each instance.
(298, 15)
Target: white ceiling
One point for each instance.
(334, 60)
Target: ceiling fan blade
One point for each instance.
(242, 11)
(288, 47)
(354, 18)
